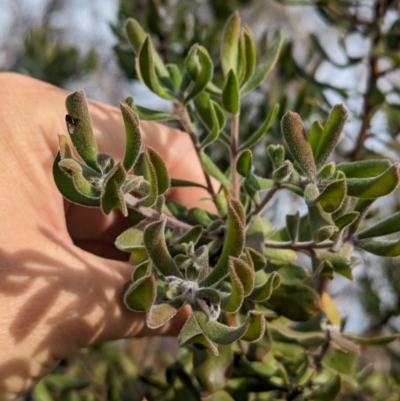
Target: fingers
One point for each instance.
(57, 301)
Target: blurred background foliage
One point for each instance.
(334, 51)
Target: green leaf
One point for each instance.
(265, 67)
(156, 247)
(177, 182)
(64, 383)
(142, 270)
(331, 134)
(230, 44)
(386, 226)
(314, 136)
(221, 334)
(112, 196)
(256, 259)
(146, 114)
(138, 255)
(262, 129)
(136, 36)
(245, 274)
(65, 185)
(321, 223)
(219, 396)
(144, 167)
(141, 294)
(296, 139)
(376, 187)
(129, 239)
(329, 390)
(327, 172)
(233, 301)
(277, 155)
(292, 225)
(192, 235)
(244, 163)
(176, 77)
(290, 273)
(264, 291)
(133, 136)
(230, 93)
(364, 168)
(388, 248)
(341, 264)
(256, 327)
(250, 55)
(296, 302)
(191, 333)
(332, 196)
(205, 74)
(214, 171)
(160, 314)
(372, 341)
(346, 219)
(148, 72)
(284, 334)
(214, 134)
(41, 392)
(234, 242)
(163, 181)
(80, 128)
(212, 371)
(283, 173)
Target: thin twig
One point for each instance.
(261, 206)
(171, 222)
(308, 245)
(234, 154)
(184, 118)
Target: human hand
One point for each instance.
(58, 292)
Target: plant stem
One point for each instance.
(309, 245)
(259, 209)
(184, 118)
(171, 222)
(234, 154)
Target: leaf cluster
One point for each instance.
(237, 272)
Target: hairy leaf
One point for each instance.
(296, 302)
(262, 129)
(331, 134)
(205, 74)
(133, 136)
(296, 138)
(230, 44)
(388, 248)
(141, 294)
(234, 243)
(364, 168)
(230, 93)
(376, 187)
(112, 196)
(148, 72)
(244, 163)
(332, 196)
(80, 128)
(129, 239)
(264, 291)
(160, 314)
(265, 67)
(163, 181)
(157, 249)
(387, 226)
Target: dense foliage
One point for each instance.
(262, 323)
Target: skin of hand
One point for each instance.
(60, 277)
